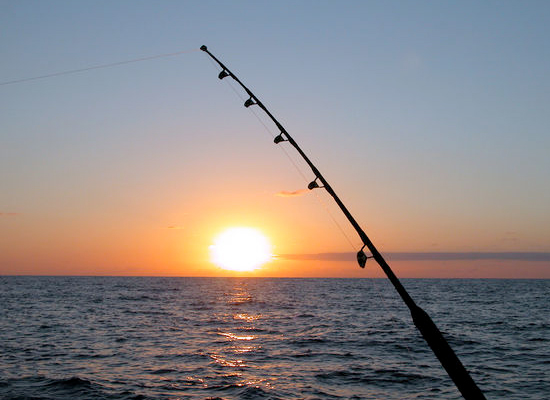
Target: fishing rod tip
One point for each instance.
(203, 48)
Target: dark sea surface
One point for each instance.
(233, 338)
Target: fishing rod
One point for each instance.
(433, 336)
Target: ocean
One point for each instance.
(263, 338)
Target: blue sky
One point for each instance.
(429, 118)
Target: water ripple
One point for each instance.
(229, 338)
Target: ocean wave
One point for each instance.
(44, 388)
(264, 338)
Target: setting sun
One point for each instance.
(240, 249)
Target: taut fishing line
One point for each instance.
(292, 161)
(114, 64)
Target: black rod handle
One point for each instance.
(447, 357)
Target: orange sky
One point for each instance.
(174, 250)
(434, 145)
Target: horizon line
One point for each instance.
(428, 256)
(254, 277)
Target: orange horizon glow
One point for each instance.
(151, 249)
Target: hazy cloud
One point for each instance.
(510, 236)
(175, 227)
(517, 256)
(427, 256)
(286, 193)
(8, 214)
(320, 256)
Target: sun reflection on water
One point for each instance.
(233, 336)
(239, 298)
(245, 349)
(238, 340)
(223, 361)
(247, 317)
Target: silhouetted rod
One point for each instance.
(421, 319)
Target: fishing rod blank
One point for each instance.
(433, 336)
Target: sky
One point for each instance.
(430, 119)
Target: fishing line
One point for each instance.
(292, 161)
(74, 71)
(305, 179)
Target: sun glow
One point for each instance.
(240, 249)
